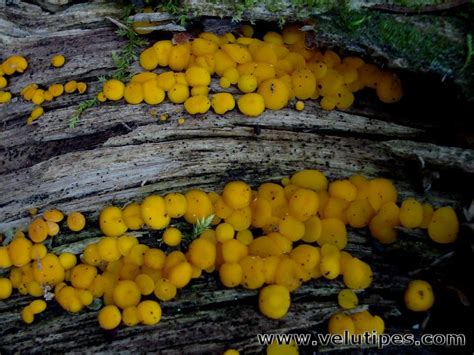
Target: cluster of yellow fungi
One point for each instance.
(34, 92)
(269, 73)
(273, 238)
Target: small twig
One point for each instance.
(117, 22)
(469, 52)
(434, 263)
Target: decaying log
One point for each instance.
(118, 153)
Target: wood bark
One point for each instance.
(118, 153)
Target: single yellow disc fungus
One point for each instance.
(312, 230)
(165, 290)
(76, 221)
(201, 253)
(222, 102)
(347, 299)
(274, 301)
(58, 61)
(108, 249)
(198, 104)
(180, 275)
(19, 251)
(357, 274)
(48, 270)
(343, 189)
(253, 276)
(310, 179)
(303, 204)
(198, 76)
(5, 288)
(247, 83)
(444, 226)
(411, 213)
(38, 306)
(304, 83)
(251, 104)
(172, 236)
(230, 274)
(111, 222)
(126, 293)
(389, 88)
(113, 89)
(179, 57)
(3, 82)
(70, 86)
(291, 228)
(149, 312)
(274, 93)
(359, 213)
(145, 284)
(5, 97)
(224, 232)
(175, 205)
(178, 93)
(163, 49)
(132, 216)
(199, 206)
(299, 106)
(153, 93)
(67, 260)
(130, 316)
(148, 59)
(419, 296)
(133, 93)
(237, 194)
(109, 317)
(91, 255)
(38, 230)
(53, 215)
(83, 275)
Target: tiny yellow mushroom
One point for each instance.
(76, 221)
(419, 296)
(113, 89)
(251, 105)
(274, 301)
(222, 102)
(5, 97)
(109, 317)
(58, 61)
(70, 86)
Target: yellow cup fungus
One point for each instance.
(149, 312)
(109, 317)
(444, 226)
(347, 299)
(76, 221)
(58, 61)
(172, 236)
(274, 301)
(419, 296)
(113, 89)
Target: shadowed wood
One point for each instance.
(119, 153)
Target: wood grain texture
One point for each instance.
(119, 153)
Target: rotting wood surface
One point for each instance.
(119, 153)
